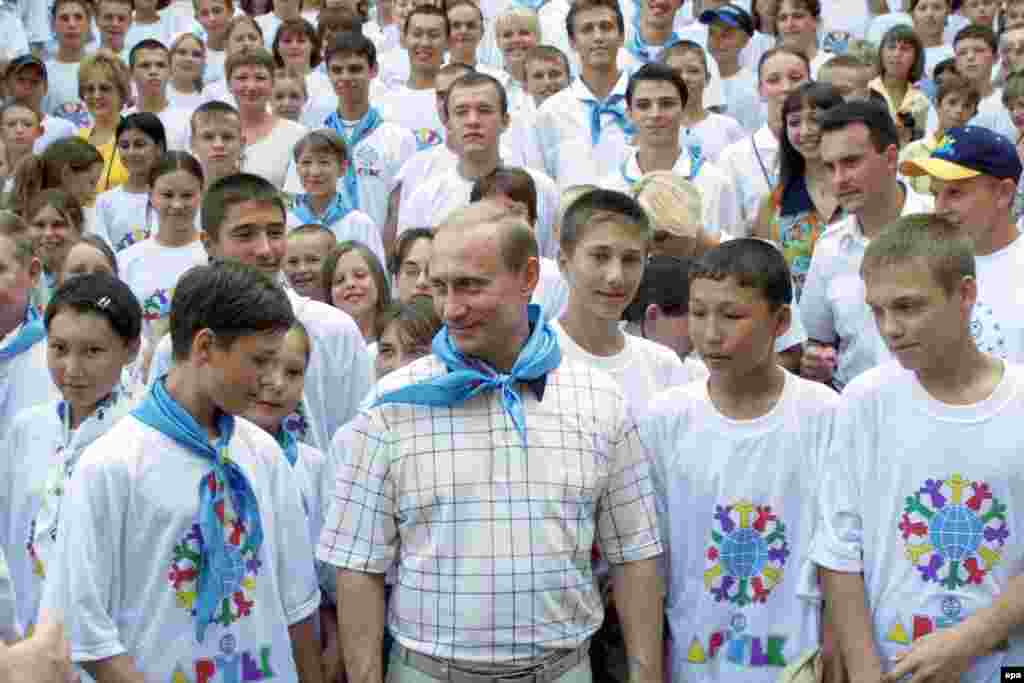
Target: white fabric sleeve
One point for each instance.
(815, 312)
(162, 360)
(362, 228)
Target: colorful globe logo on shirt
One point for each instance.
(747, 553)
(426, 138)
(954, 531)
(157, 305)
(133, 237)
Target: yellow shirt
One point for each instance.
(915, 101)
(114, 172)
(920, 149)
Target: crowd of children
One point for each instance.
(753, 270)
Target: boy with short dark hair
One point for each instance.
(919, 567)
(736, 458)
(184, 552)
(216, 140)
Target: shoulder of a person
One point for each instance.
(834, 232)
(42, 416)
(674, 401)
(261, 447)
(880, 379)
(126, 442)
(324, 320)
(817, 396)
(655, 352)
(580, 375)
(127, 257)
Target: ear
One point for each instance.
(506, 119)
(967, 290)
(35, 271)
(783, 320)
(892, 156)
(202, 346)
(651, 313)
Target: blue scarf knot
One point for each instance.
(696, 162)
(468, 377)
(31, 331)
(335, 211)
(614, 105)
(640, 49)
(288, 443)
(369, 123)
(221, 568)
(535, 5)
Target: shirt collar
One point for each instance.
(582, 91)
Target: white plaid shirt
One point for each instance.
(493, 540)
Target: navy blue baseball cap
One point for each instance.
(730, 14)
(968, 152)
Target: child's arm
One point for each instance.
(119, 669)
(306, 650)
(846, 611)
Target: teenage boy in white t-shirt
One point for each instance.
(919, 567)
(377, 147)
(730, 29)
(737, 458)
(974, 176)
(150, 64)
(113, 19)
(183, 548)
(425, 38)
(71, 20)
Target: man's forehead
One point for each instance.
(545, 61)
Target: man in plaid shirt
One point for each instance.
(484, 474)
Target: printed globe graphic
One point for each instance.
(744, 553)
(956, 532)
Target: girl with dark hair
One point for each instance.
(123, 214)
(901, 61)
(795, 214)
(56, 223)
(405, 332)
(91, 254)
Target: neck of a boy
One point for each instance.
(963, 377)
(984, 86)
(478, 165)
(728, 65)
(352, 111)
(183, 84)
(878, 214)
(176, 235)
(658, 157)
(600, 82)
(748, 396)
(254, 118)
(15, 154)
(154, 103)
(68, 55)
(320, 202)
(183, 386)
(422, 79)
(594, 335)
(655, 31)
(77, 414)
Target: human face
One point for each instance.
(467, 30)
(898, 59)
(930, 18)
(28, 86)
(413, 277)
(151, 71)
(138, 152)
(859, 173)
(1013, 49)
(85, 259)
(281, 390)
(303, 261)
(922, 325)
(319, 172)
(288, 99)
(353, 289)
(481, 301)
(656, 111)
(659, 12)
(175, 197)
(974, 59)
(515, 39)
(253, 232)
(350, 77)
(852, 83)
(113, 20)
(217, 144)
(234, 376)
(16, 283)
(187, 60)
(954, 111)
(1014, 15)
(101, 97)
(597, 38)
(394, 351)
(245, 36)
(70, 25)
(56, 235)
(83, 185)
(978, 206)
(803, 131)
(475, 119)
(85, 356)
(797, 27)
(733, 328)
(20, 129)
(295, 50)
(604, 269)
(426, 42)
(1015, 108)
(781, 75)
(252, 85)
(544, 78)
(287, 8)
(980, 11)
(767, 11)
(213, 17)
(725, 41)
(690, 68)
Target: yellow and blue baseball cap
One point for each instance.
(968, 152)
(730, 14)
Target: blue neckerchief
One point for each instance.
(639, 48)
(221, 568)
(696, 162)
(335, 211)
(535, 5)
(468, 377)
(363, 129)
(614, 105)
(31, 331)
(286, 440)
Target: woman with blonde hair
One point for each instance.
(516, 30)
(104, 84)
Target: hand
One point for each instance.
(43, 658)
(818, 362)
(939, 657)
(1020, 149)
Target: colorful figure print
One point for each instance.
(157, 305)
(747, 553)
(132, 237)
(954, 531)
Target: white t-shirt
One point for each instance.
(712, 135)
(152, 270)
(162, 30)
(434, 200)
(921, 497)
(271, 156)
(355, 225)
(125, 217)
(742, 102)
(128, 542)
(642, 369)
(215, 60)
(728, 488)
(414, 110)
(24, 381)
(752, 163)
(53, 129)
(421, 166)
(185, 101)
(552, 292)
(997, 319)
(61, 97)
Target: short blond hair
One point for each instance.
(672, 202)
(516, 13)
(106, 64)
